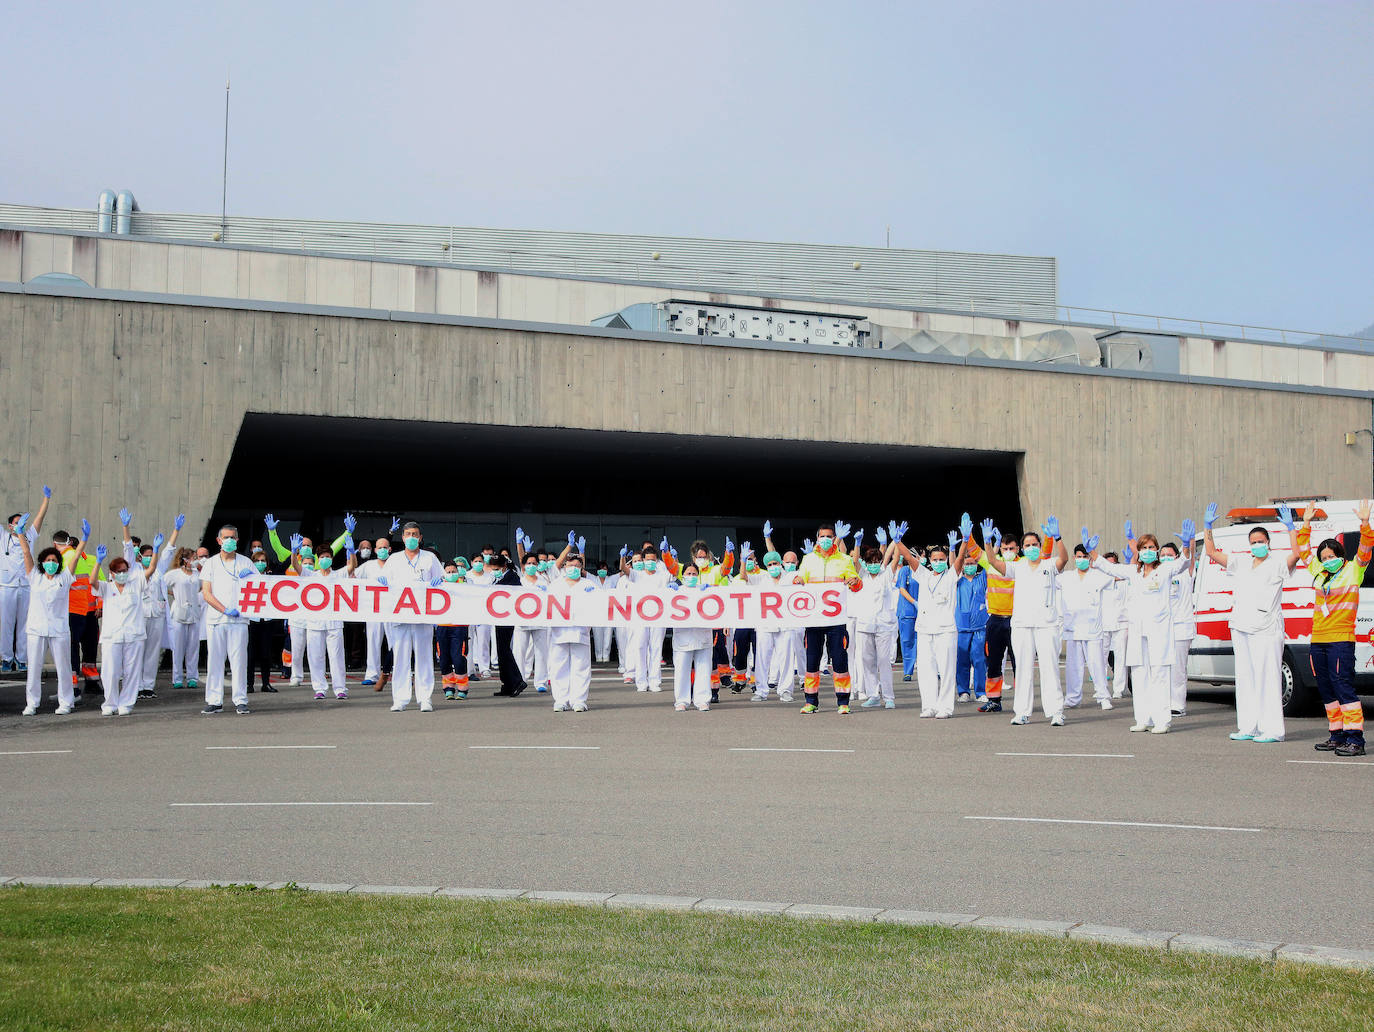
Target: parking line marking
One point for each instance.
(1340, 763)
(1077, 755)
(35, 752)
(213, 747)
(1113, 824)
(791, 750)
(325, 803)
(572, 748)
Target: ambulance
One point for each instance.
(1211, 658)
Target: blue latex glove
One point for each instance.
(663, 544)
(745, 549)
(395, 525)
(624, 551)
(85, 530)
(986, 527)
(296, 542)
(1126, 554)
(348, 543)
(572, 538)
(100, 553)
(966, 526)
(673, 552)
(806, 545)
(529, 542)
(47, 491)
(902, 528)
(1286, 518)
(436, 581)
(350, 522)
(1052, 527)
(125, 517)
(892, 529)
(381, 581)
(1084, 538)
(1092, 543)
(246, 574)
(270, 521)
(158, 541)
(842, 529)
(996, 539)
(881, 535)
(767, 529)
(729, 545)
(519, 535)
(581, 546)
(180, 521)
(232, 614)
(1188, 532)
(1130, 531)
(23, 522)
(953, 539)
(591, 587)
(858, 538)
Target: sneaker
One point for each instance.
(926, 713)
(1237, 736)
(655, 687)
(629, 680)
(842, 710)
(870, 703)
(1118, 695)
(210, 711)
(319, 695)
(906, 677)
(756, 697)
(1106, 704)
(399, 707)
(580, 707)
(1266, 740)
(368, 682)
(890, 704)
(1179, 712)
(61, 711)
(991, 706)
(1140, 727)
(810, 708)
(1348, 749)
(426, 707)
(1160, 729)
(448, 694)
(107, 711)
(715, 695)
(943, 715)
(785, 696)
(124, 711)
(1020, 720)
(178, 684)
(343, 695)
(462, 695)
(193, 684)
(242, 709)
(1057, 720)
(964, 697)
(704, 708)
(294, 682)
(1330, 745)
(544, 688)
(6, 666)
(22, 668)
(31, 710)
(559, 707)
(680, 707)
(644, 689)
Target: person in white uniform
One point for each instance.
(1150, 644)
(1185, 622)
(123, 631)
(226, 627)
(530, 642)
(630, 564)
(768, 638)
(601, 636)
(154, 560)
(570, 655)
(646, 643)
(1035, 620)
(47, 626)
(874, 610)
(481, 636)
(185, 605)
(1081, 593)
(692, 655)
(324, 644)
(15, 591)
(1257, 582)
(937, 634)
(378, 633)
(1115, 629)
(412, 644)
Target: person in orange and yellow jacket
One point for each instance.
(1336, 582)
(827, 563)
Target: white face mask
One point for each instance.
(1009, 557)
(364, 553)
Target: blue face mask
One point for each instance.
(1259, 551)
(542, 566)
(650, 565)
(260, 566)
(1082, 562)
(873, 568)
(382, 553)
(637, 566)
(825, 544)
(1032, 552)
(412, 543)
(939, 565)
(970, 570)
(230, 545)
(49, 567)
(1332, 565)
(307, 552)
(325, 562)
(1148, 556)
(690, 580)
(531, 570)
(572, 573)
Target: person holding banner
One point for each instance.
(324, 636)
(769, 638)
(692, 647)
(570, 647)
(377, 666)
(412, 643)
(453, 647)
(824, 565)
(228, 628)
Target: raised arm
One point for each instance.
(282, 552)
(24, 547)
(1286, 518)
(352, 554)
(42, 509)
(1061, 554)
(768, 537)
(1213, 553)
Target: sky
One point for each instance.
(1207, 159)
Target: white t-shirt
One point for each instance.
(1256, 593)
(568, 634)
(1081, 597)
(1035, 598)
(123, 618)
(223, 574)
(48, 603)
(409, 570)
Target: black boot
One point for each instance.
(1354, 746)
(1333, 743)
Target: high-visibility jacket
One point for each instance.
(716, 576)
(822, 569)
(79, 597)
(1000, 589)
(1338, 594)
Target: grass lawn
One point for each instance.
(235, 958)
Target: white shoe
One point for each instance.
(31, 710)
(705, 707)
(1106, 703)
(1020, 720)
(1073, 705)
(629, 680)
(107, 711)
(124, 711)
(560, 707)
(680, 707)
(784, 696)
(942, 715)
(641, 689)
(1160, 729)
(756, 697)
(927, 713)
(294, 682)
(62, 711)
(580, 707)
(1118, 695)
(398, 707)
(1057, 720)
(426, 707)
(654, 688)
(1140, 727)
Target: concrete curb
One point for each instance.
(1073, 931)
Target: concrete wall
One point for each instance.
(120, 402)
(209, 270)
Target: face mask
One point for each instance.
(412, 544)
(364, 553)
(121, 577)
(1259, 551)
(542, 566)
(602, 573)
(1009, 557)
(1148, 556)
(307, 552)
(790, 567)
(970, 569)
(477, 565)
(1032, 552)
(1333, 565)
(1081, 562)
(750, 565)
(703, 562)
(452, 578)
(637, 566)
(382, 553)
(825, 544)
(326, 562)
(775, 571)
(690, 580)
(939, 566)
(873, 568)
(572, 573)
(650, 565)
(230, 545)
(49, 566)
(146, 560)
(531, 570)
(260, 566)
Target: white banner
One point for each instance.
(816, 605)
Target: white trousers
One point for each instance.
(602, 637)
(1084, 654)
(480, 648)
(624, 650)
(1150, 691)
(1030, 644)
(790, 658)
(376, 634)
(1116, 642)
(61, 649)
(935, 655)
(1178, 674)
(765, 645)
(227, 641)
(692, 677)
(185, 651)
(14, 618)
(155, 627)
(412, 644)
(1259, 691)
(298, 649)
(873, 650)
(319, 645)
(531, 648)
(121, 671)
(646, 643)
(570, 670)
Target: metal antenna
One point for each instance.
(224, 190)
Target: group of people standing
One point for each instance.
(959, 611)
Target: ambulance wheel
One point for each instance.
(1298, 698)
